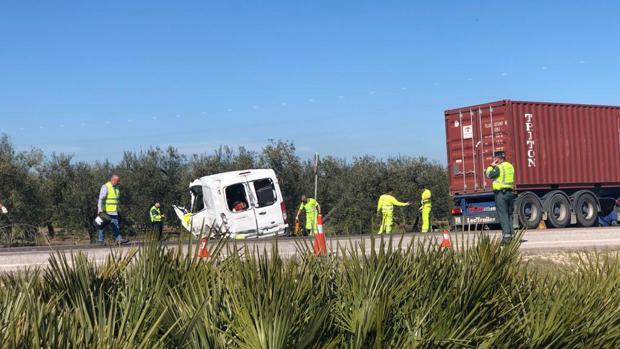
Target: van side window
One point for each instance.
(236, 198)
(198, 203)
(265, 192)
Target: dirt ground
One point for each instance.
(567, 259)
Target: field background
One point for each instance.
(53, 193)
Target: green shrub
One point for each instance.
(379, 295)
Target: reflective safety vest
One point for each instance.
(155, 214)
(387, 202)
(506, 178)
(112, 198)
(309, 207)
(426, 198)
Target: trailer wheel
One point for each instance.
(586, 209)
(529, 210)
(558, 211)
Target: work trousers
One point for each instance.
(504, 205)
(115, 229)
(426, 218)
(311, 224)
(387, 222)
(158, 228)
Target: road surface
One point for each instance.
(535, 242)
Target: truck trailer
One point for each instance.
(566, 159)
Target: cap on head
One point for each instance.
(500, 154)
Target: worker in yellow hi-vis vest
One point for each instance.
(503, 175)
(108, 203)
(385, 206)
(157, 220)
(313, 210)
(426, 205)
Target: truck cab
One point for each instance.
(239, 205)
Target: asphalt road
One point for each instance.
(534, 242)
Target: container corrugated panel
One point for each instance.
(551, 145)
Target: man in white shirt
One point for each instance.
(109, 199)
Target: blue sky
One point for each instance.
(344, 78)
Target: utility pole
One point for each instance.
(316, 175)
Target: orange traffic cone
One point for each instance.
(203, 251)
(446, 243)
(319, 238)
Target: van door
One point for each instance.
(269, 217)
(240, 215)
(195, 218)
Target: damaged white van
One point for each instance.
(238, 204)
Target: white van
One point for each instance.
(238, 204)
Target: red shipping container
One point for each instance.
(551, 145)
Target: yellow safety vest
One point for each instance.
(310, 207)
(426, 198)
(155, 214)
(506, 178)
(112, 198)
(387, 202)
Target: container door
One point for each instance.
(486, 144)
(494, 135)
(473, 135)
(618, 125)
(461, 135)
(473, 149)
(266, 205)
(240, 211)
(479, 151)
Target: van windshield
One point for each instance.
(236, 198)
(265, 192)
(198, 203)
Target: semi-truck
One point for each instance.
(566, 159)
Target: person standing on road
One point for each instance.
(157, 220)
(385, 206)
(503, 175)
(109, 199)
(313, 210)
(426, 205)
